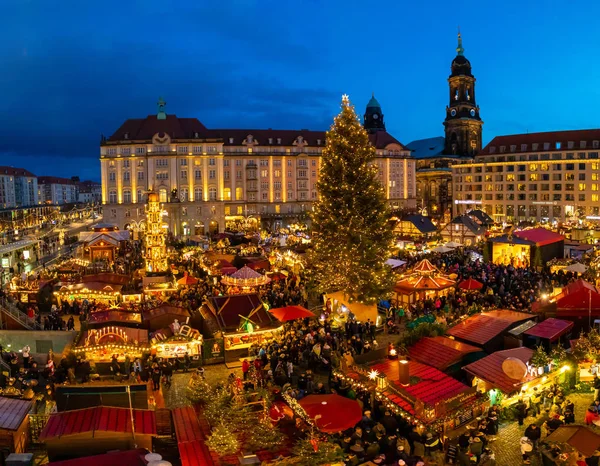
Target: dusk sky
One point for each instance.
(73, 70)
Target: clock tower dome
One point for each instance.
(463, 125)
(373, 118)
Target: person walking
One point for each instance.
(521, 411)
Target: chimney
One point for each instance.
(403, 373)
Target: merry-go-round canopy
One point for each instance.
(337, 413)
(245, 277)
(423, 277)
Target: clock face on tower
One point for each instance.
(472, 112)
(453, 112)
(375, 116)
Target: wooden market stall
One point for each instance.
(115, 458)
(443, 353)
(101, 344)
(14, 424)
(93, 431)
(489, 330)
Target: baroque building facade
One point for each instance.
(462, 140)
(211, 180)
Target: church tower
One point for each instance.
(373, 118)
(463, 125)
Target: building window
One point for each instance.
(239, 193)
(184, 194)
(127, 196)
(112, 176)
(140, 176)
(264, 173)
(112, 197)
(197, 149)
(198, 174)
(227, 210)
(212, 174)
(140, 196)
(184, 174)
(240, 210)
(212, 162)
(162, 195)
(227, 194)
(212, 193)
(265, 196)
(290, 195)
(226, 175)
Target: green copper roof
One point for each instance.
(373, 102)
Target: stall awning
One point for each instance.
(550, 329)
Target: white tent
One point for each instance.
(452, 244)
(395, 263)
(442, 249)
(576, 268)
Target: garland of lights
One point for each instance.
(297, 408)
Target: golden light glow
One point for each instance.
(373, 374)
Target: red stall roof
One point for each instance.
(490, 368)
(433, 385)
(481, 328)
(440, 352)
(190, 439)
(550, 329)
(118, 458)
(574, 300)
(539, 236)
(99, 418)
(12, 412)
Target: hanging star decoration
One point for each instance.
(346, 99)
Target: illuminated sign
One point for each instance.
(456, 201)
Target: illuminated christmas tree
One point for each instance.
(223, 441)
(353, 237)
(156, 248)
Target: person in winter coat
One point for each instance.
(476, 447)
(521, 411)
(533, 433)
(526, 449)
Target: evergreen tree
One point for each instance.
(223, 441)
(312, 451)
(353, 236)
(198, 390)
(264, 436)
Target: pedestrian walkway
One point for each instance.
(507, 448)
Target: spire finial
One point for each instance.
(373, 94)
(459, 49)
(161, 115)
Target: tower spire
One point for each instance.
(459, 49)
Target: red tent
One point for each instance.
(187, 280)
(284, 314)
(336, 412)
(574, 300)
(470, 284)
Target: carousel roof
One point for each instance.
(425, 267)
(246, 277)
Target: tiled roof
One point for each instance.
(15, 171)
(574, 299)
(490, 368)
(539, 236)
(190, 438)
(427, 148)
(551, 138)
(481, 328)
(469, 223)
(480, 215)
(421, 223)
(440, 352)
(117, 458)
(550, 329)
(12, 412)
(99, 418)
(432, 386)
(144, 129)
(229, 309)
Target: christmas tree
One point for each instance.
(353, 236)
(312, 451)
(198, 390)
(223, 441)
(263, 436)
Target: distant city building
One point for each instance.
(55, 190)
(90, 192)
(549, 176)
(461, 141)
(210, 180)
(18, 188)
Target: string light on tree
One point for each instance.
(353, 237)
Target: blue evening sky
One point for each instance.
(72, 70)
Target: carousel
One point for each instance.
(424, 281)
(101, 345)
(244, 281)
